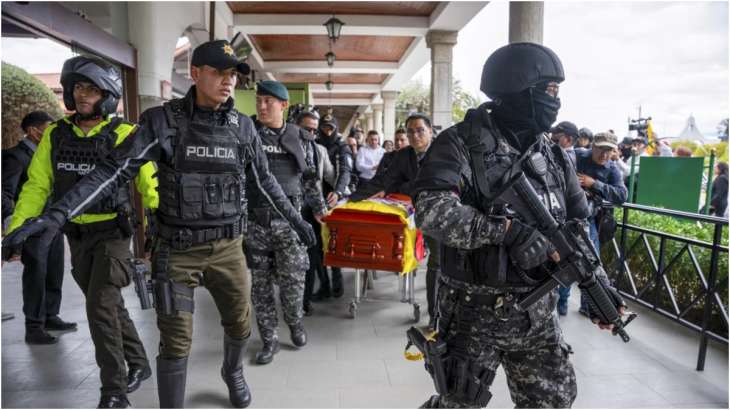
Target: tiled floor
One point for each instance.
(354, 363)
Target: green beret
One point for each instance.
(272, 88)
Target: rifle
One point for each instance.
(578, 259)
(142, 286)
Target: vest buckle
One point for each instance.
(182, 239)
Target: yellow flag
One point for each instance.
(651, 138)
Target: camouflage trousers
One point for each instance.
(275, 257)
(529, 345)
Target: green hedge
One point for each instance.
(682, 277)
(21, 94)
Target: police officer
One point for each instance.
(202, 147)
(99, 234)
(274, 253)
(491, 253)
(342, 159)
(42, 274)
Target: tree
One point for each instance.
(722, 130)
(415, 97)
(463, 101)
(21, 94)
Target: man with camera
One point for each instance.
(601, 179)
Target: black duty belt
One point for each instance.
(183, 238)
(74, 229)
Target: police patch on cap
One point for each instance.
(272, 88)
(218, 54)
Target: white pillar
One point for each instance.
(526, 21)
(441, 44)
(154, 28)
(389, 114)
(369, 121)
(378, 118)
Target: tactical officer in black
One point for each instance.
(273, 252)
(42, 274)
(202, 147)
(341, 157)
(491, 253)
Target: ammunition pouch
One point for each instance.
(456, 377)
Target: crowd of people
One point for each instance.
(232, 196)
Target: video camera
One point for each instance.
(641, 126)
(296, 109)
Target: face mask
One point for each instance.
(545, 110)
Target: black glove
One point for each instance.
(527, 247)
(305, 232)
(45, 227)
(614, 297)
(11, 251)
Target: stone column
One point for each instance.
(389, 114)
(441, 44)
(378, 118)
(154, 28)
(368, 121)
(526, 21)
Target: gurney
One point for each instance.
(376, 234)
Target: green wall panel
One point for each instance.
(671, 183)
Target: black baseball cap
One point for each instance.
(567, 128)
(218, 54)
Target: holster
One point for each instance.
(460, 378)
(169, 296)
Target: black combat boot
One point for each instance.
(271, 346)
(232, 372)
(136, 376)
(38, 336)
(171, 376)
(298, 334)
(113, 401)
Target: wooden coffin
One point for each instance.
(364, 240)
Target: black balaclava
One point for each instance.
(526, 113)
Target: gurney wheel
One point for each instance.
(416, 312)
(353, 310)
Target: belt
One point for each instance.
(183, 238)
(501, 304)
(75, 229)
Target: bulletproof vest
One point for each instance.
(203, 183)
(73, 157)
(493, 161)
(286, 158)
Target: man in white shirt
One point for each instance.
(369, 156)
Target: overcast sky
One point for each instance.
(669, 57)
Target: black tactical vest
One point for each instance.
(490, 265)
(286, 159)
(203, 184)
(73, 157)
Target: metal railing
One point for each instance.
(649, 295)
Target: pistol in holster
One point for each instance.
(433, 351)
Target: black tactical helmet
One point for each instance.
(519, 66)
(98, 72)
(585, 133)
